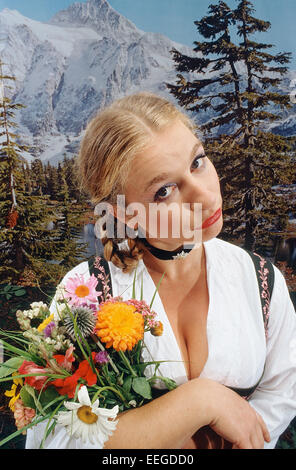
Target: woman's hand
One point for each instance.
(234, 419)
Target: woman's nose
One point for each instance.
(198, 191)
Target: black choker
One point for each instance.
(165, 254)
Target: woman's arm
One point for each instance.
(275, 397)
(169, 422)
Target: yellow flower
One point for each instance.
(14, 392)
(119, 325)
(157, 330)
(45, 323)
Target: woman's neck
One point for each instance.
(192, 264)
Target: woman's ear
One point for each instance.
(125, 224)
(130, 221)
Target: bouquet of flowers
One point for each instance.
(82, 364)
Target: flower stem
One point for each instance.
(127, 363)
(108, 388)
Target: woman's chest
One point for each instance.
(187, 311)
(213, 328)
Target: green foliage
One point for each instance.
(32, 197)
(10, 366)
(8, 291)
(247, 178)
(142, 387)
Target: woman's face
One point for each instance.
(176, 188)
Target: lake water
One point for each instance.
(94, 244)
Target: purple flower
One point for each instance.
(102, 357)
(93, 307)
(48, 329)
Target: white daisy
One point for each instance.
(87, 421)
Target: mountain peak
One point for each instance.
(13, 16)
(100, 16)
(99, 2)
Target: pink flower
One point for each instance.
(144, 309)
(22, 415)
(79, 291)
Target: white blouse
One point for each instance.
(237, 347)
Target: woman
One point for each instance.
(142, 147)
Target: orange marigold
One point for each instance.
(119, 325)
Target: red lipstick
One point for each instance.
(211, 220)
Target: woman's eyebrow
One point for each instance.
(165, 175)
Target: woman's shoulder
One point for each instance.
(227, 247)
(229, 251)
(91, 266)
(237, 261)
(227, 254)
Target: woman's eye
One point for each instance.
(198, 162)
(166, 191)
(163, 193)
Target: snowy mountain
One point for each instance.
(80, 61)
(99, 16)
(67, 69)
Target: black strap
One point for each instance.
(265, 277)
(93, 264)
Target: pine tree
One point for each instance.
(236, 96)
(26, 243)
(26, 177)
(52, 186)
(38, 176)
(68, 227)
(72, 180)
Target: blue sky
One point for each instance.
(174, 18)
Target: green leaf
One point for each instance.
(10, 366)
(156, 289)
(140, 368)
(19, 292)
(142, 387)
(127, 384)
(27, 397)
(134, 285)
(15, 350)
(48, 395)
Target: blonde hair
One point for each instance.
(113, 138)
